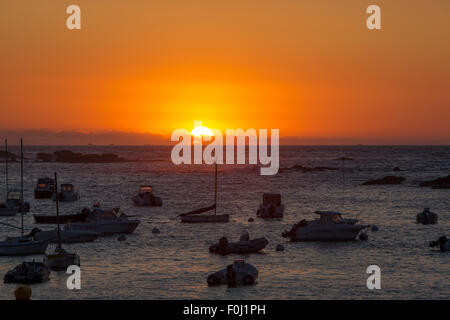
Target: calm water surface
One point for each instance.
(175, 263)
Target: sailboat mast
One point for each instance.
(215, 191)
(57, 211)
(6, 166)
(21, 185)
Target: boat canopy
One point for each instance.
(330, 213)
(145, 189)
(269, 198)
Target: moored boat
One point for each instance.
(443, 243)
(45, 188)
(60, 259)
(28, 273)
(146, 198)
(427, 217)
(271, 206)
(243, 246)
(196, 216)
(105, 222)
(331, 226)
(21, 245)
(67, 193)
(238, 273)
(67, 236)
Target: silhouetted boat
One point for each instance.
(238, 273)
(271, 206)
(243, 246)
(28, 273)
(329, 227)
(67, 193)
(195, 217)
(146, 198)
(45, 188)
(60, 259)
(21, 245)
(105, 222)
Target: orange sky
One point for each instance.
(310, 68)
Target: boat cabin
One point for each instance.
(67, 187)
(145, 189)
(271, 198)
(327, 217)
(45, 182)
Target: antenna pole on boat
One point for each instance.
(57, 211)
(215, 190)
(21, 185)
(6, 166)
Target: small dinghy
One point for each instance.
(427, 217)
(243, 246)
(238, 273)
(146, 198)
(442, 243)
(67, 193)
(271, 206)
(28, 273)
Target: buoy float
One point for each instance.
(363, 236)
(279, 247)
(155, 230)
(22, 292)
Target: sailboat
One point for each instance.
(6, 208)
(60, 259)
(22, 245)
(195, 217)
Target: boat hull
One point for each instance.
(8, 212)
(61, 261)
(43, 194)
(67, 236)
(220, 218)
(62, 218)
(13, 248)
(241, 247)
(107, 228)
(344, 233)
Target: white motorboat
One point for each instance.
(67, 193)
(146, 198)
(271, 206)
(105, 222)
(21, 245)
(331, 226)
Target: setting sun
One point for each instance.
(201, 131)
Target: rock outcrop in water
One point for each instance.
(439, 183)
(385, 180)
(75, 157)
(305, 169)
(10, 156)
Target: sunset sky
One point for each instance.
(309, 68)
